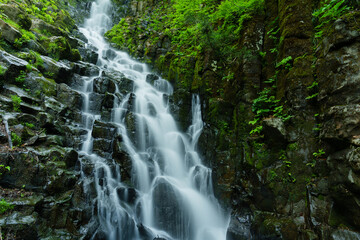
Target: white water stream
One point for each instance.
(174, 196)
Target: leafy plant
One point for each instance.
(37, 60)
(16, 140)
(286, 63)
(21, 77)
(29, 125)
(26, 37)
(5, 206)
(317, 155)
(16, 101)
(314, 88)
(3, 167)
(2, 70)
(329, 11)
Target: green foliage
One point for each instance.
(5, 206)
(20, 78)
(16, 101)
(316, 156)
(37, 61)
(2, 70)
(29, 125)
(329, 11)
(286, 63)
(16, 140)
(319, 153)
(264, 104)
(3, 167)
(26, 37)
(314, 89)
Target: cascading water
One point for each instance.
(173, 191)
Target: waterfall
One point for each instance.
(171, 189)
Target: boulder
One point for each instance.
(12, 64)
(121, 157)
(103, 130)
(69, 97)
(85, 68)
(88, 55)
(150, 78)
(58, 70)
(239, 227)
(274, 131)
(338, 75)
(9, 33)
(42, 26)
(14, 13)
(341, 123)
(104, 85)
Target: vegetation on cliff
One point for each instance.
(259, 68)
(279, 86)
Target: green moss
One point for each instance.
(16, 140)
(2, 70)
(5, 206)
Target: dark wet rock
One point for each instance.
(103, 130)
(125, 85)
(341, 124)
(21, 225)
(12, 64)
(24, 95)
(68, 96)
(239, 227)
(71, 158)
(108, 101)
(150, 78)
(60, 181)
(17, 15)
(344, 77)
(88, 55)
(9, 33)
(144, 232)
(36, 46)
(39, 86)
(131, 123)
(95, 101)
(345, 234)
(102, 146)
(274, 132)
(169, 210)
(121, 157)
(42, 26)
(60, 71)
(110, 54)
(104, 85)
(128, 195)
(159, 238)
(85, 69)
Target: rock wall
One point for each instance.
(296, 178)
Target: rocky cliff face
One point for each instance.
(296, 80)
(295, 176)
(43, 57)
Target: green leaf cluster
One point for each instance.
(5, 206)
(16, 140)
(329, 11)
(16, 101)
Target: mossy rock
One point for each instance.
(59, 48)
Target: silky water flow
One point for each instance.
(173, 191)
